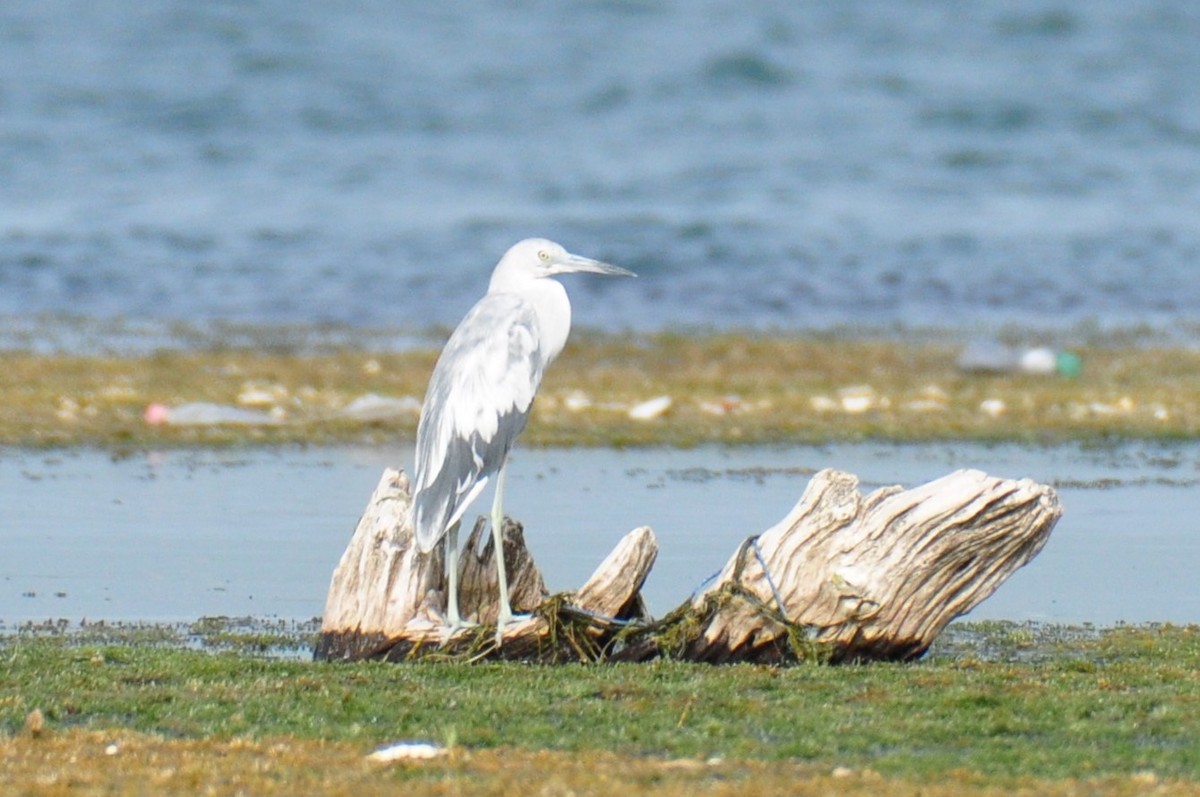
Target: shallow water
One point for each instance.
(166, 536)
(779, 164)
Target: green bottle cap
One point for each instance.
(1068, 364)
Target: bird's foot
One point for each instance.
(454, 625)
(506, 619)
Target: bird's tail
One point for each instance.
(428, 527)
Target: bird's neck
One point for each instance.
(549, 301)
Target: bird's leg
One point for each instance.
(504, 614)
(454, 620)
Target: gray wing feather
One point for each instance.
(478, 402)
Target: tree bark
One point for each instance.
(842, 577)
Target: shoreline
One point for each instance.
(667, 389)
(273, 637)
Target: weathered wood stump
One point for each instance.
(842, 577)
(875, 577)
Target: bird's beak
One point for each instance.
(576, 263)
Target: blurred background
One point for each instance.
(875, 165)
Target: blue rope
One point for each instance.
(762, 562)
(705, 583)
(573, 609)
(770, 581)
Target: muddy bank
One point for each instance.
(657, 390)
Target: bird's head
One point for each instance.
(535, 258)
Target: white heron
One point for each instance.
(480, 395)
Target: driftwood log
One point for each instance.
(842, 577)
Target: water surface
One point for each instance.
(169, 536)
(795, 165)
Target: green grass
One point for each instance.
(1113, 704)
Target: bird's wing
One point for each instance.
(477, 403)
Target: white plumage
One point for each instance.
(481, 392)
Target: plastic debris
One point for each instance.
(989, 357)
(68, 409)
(373, 407)
(723, 406)
(934, 393)
(1122, 406)
(262, 394)
(650, 409)
(823, 404)
(577, 401)
(857, 399)
(924, 405)
(1099, 409)
(993, 407)
(407, 751)
(1037, 361)
(206, 414)
(255, 397)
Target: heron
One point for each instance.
(480, 396)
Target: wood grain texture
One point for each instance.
(856, 577)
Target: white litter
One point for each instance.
(857, 399)
(373, 407)
(577, 401)
(407, 751)
(206, 414)
(823, 404)
(650, 409)
(992, 407)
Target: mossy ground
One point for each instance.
(723, 388)
(1000, 708)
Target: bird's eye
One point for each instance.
(543, 255)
